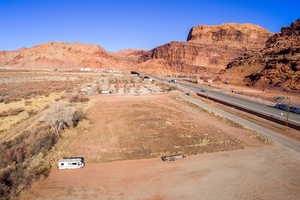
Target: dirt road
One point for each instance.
(264, 173)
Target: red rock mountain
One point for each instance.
(62, 54)
(276, 65)
(211, 47)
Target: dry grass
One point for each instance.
(28, 110)
(263, 138)
(134, 129)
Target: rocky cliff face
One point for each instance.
(194, 57)
(211, 47)
(241, 36)
(276, 65)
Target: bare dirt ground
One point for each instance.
(125, 134)
(264, 173)
(135, 127)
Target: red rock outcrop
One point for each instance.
(241, 36)
(276, 65)
(211, 47)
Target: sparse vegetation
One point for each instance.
(30, 129)
(22, 159)
(23, 156)
(263, 138)
(78, 99)
(11, 112)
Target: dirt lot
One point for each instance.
(125, 133)
(135, 127)
(131, 128)
(265, 173)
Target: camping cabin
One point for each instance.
(71, 163)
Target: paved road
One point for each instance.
(240, 102)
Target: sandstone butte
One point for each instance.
(210, 47)
(277, 65)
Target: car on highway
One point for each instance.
(282, 106)
(285, 107)
(172, 81)
(295, 109)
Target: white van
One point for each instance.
(71, 163)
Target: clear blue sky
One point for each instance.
(118, 24)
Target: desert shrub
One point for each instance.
(30, 143)
(16, 177)
(22, 159)
(9, 100)
(11, 112)
(263, 138)
(78, 99)
(28, 103)
(61, 116)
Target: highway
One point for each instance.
(245, 104)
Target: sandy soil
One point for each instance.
(135, 127)
(264, 173)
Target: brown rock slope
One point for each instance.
(211, 47)
(62, 54)
(276, 65)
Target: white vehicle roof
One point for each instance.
(71, 160)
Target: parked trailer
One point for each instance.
(71, 163)
(106, 92)
(172, 157)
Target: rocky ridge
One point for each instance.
(276, 65)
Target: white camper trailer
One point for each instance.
(71, 163)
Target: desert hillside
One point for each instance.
(208, 48)
(211, 47)
(276, 65)
(63, 54)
